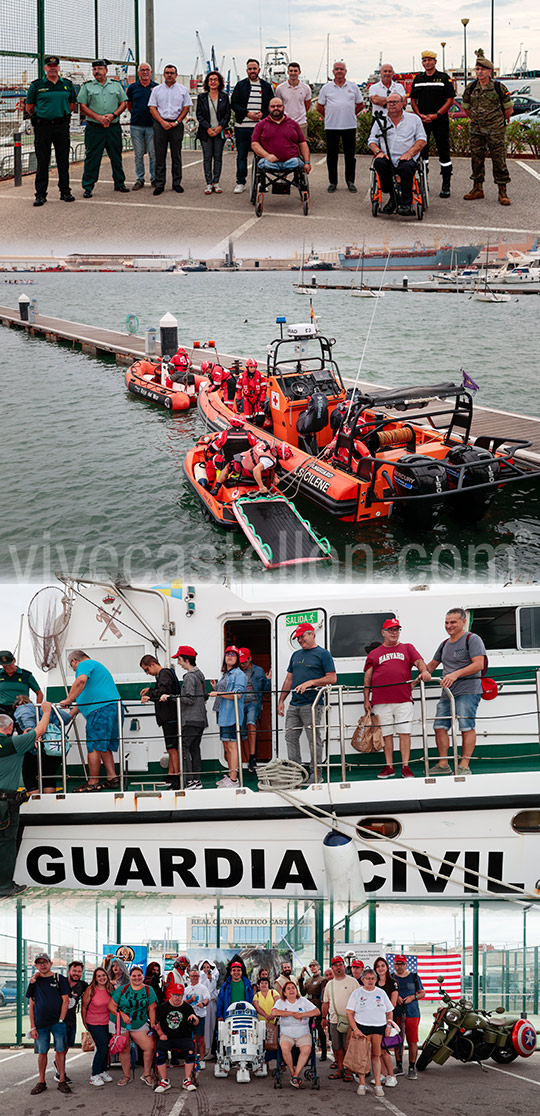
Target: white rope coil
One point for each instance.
(281, 775)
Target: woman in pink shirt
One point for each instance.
(95, 1017)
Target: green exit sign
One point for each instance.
(292, 619)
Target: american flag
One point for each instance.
(431, 965)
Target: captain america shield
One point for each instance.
(524, 1038)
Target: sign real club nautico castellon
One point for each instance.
(274, 867)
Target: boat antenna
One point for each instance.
(366, 342)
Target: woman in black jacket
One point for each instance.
(213, 114)
(163, 695)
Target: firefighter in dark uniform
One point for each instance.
(432, 95)
(102, 102)
(489, 106)
(49, 103)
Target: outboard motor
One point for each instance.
(484, 469)
(313, 420)
(416, 475)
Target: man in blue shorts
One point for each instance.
(462, 656)
(48, 994)
(96, 696)
(407, 1013)
(309, 669)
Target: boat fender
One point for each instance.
(342, 868)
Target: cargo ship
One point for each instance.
(417, 258)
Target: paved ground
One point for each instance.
(174, 223)
(453, 1089)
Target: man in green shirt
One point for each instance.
(15, 680)
(489, 105)
(49, 103)
(102, 102)
(13, 748)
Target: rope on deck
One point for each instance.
(281, 775)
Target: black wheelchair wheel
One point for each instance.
(374, 208)
(305, 203)
(259, 204)
(419, 211)
(253, 182)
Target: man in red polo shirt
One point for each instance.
(278, 141)
(387, 674)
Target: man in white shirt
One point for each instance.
(336, 996)
(169, 104)
(339, 103)
(379, 92)
(397, 151)
(296, 96)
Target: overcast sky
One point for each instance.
(358, 33)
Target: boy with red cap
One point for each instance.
(309, 669)
(193, 698)
(174, 1029)
(388, 671)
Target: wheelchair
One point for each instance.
(310, 1069)
(279, 182)
(420, 190)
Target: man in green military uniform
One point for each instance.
(13, 748)
(15, 680)
(102, 102)
(489, 106)
(49, 103)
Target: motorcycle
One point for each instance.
(470, 1034)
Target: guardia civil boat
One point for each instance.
(274, 835)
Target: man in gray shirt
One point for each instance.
(462, 656)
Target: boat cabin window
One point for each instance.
(380, 827)
(351, 636)
(527, 821)
(495, 626)
(529, 627)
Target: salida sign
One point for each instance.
(250, 869)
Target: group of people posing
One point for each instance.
(270, 122)
(170, 1018)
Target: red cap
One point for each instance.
(391, 624)
(301, 630)
(357, 963)
(400, 957)
(336, 960)
(244, 654)
(232, 648)
(175, 989)
(183, 651)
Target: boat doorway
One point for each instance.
(256, 634)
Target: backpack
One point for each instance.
(483, 672)
(490, 688)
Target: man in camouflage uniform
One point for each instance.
(489, 106)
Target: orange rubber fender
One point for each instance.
(144, 368)
(179, 400)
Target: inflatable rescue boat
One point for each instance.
(361, 456)
(151, 380)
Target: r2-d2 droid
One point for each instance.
(241, 1043)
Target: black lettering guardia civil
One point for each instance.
(233, 870)
(79, 857)
(294, 870)
(49, 873)
(133, 866)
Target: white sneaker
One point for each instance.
(228, 782)
(379, 1091)
(383, 1079)
(239, 188)
(361, 1090)
(97, 1079)
(162, 1087)
(390, 1082)
(189, 1086)
(105, 1076)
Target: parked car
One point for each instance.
(524, 104)
(526, 118)
(8, 992)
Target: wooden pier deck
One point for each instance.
(126, 347)
(422, 288)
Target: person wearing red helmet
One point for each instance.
(193, 717)
(387, 674)
(232, 681)
(258, 682)
(174, 1025)
(250, 389)
(309, 669)
(222, 378)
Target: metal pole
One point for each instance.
(372, 920)
(270, 927)
(453, 729)
(97, 930)
(314, 731)
(17, 159)
(347, 921)
(492, 55)
(464, 22)
(463, 940)
(121, 746)
(63, 745)
(538, 703)
(49, 927)
(524, 963)
(218, 925)
(96, 28)
(331, 927)
(484, 977)
(423, 717)
(20, 971)
(40, 767)
(150, 42)
(119, 921)
(136, 31)
(535, 985)
(475, 909)
(319, 931)
(40, 39)
(295, 927)
(238, 742)
(180, 749)
(341, 735)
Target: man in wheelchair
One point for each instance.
(396, 143)
(279, 144)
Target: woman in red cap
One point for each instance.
(233, 681)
